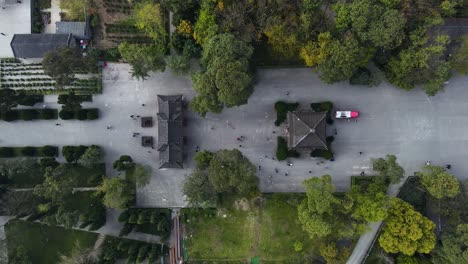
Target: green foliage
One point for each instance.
(282, 109)
(282, 151)
(205, 28)
(282, 41)
(142, 175)
(438, 182)
(389, 168)
(59, 64)
(8, 100)
(228, 172)
(66, 115)
(453, 248)
(420, 64)
(125, 162)
(325, 106)
(57, 185)
(179, 64)
(225, 79)
(143, 58)
(370, 205)
(322, 153)
(75, 9)
(203, 159)
(149, 17)
(117, 193)
(406, 231)
(91, 157)
(459, 59)
(73, 153)
(362, 76)
(336, 59)
(72, 103)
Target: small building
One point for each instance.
(307, 130)
(33, 46)
(170, 131)
(79, 30)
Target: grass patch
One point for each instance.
(267, 232)
(282, 109)
(44, 244)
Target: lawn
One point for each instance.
(45, 244)
(269, 233)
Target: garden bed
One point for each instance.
(28, 151)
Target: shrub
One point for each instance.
(49, 151)
(29, 114)
(7, 152)
(66, 115)
(47, 114)
(28, 151)
(282, 149)
(10, 115)
(126, 229)
(30, 100)
(81, 114)
(282, 109)
(48, 162)
(325, 106)
(73, 153)
(92, 114)
(322, 153)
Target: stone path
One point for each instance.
(54, 16)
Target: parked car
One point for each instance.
(346, 114)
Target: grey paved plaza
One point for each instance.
(14, 19)
(408, 124)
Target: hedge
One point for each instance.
(29, 114)
(62, 98)
(282, 108)
(28, 151)
(30, 100)
(73, 153)
(322, 153)
(282, 151)
(325, 106)
(83, 114)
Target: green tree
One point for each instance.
(148, 16)
(370, 205)
(117, 193)
(143, 58)
(225, 79)
(406, 231)
(389, 168)
(59, 65)
(205, 28)
(73, 103)
(91, 157)
(232, 172)
(335, 59)
(57, 184)
(454, 247)
(333, 255)
(438, 182)
(179, 64)
(198, 189)
(203, 159)
(142, 175)
(422, 63)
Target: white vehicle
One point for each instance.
(346, 114)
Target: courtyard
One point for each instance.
(409, 125)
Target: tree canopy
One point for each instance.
(453, 248)
(91, 157)
(143, 58)
(438, 182)
(59, 65)
(142, 174)
(406, 231)
(117, 192)
(225, 171)
(149, 17)
(389, 168)
(225, 79)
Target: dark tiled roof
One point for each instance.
(307, 130)
(37, 45)
(170, 131)
(77, 29)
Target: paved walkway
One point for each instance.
(54, 16)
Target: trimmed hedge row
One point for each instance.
(62, 98)
(45, 151)
(29, 114)
(73, 153)
(83, 114)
